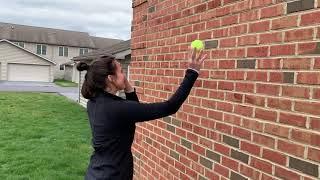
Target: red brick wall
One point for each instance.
(254, 112)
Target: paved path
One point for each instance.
(69, 92)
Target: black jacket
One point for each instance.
(112, 120)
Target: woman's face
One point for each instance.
(118, 80)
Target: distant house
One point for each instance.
(20, 64)
(121, 52)
(56, 45)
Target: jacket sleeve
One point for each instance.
(132, 96)
(139, 112)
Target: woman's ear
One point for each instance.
(109, 78)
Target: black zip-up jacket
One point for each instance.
(112, 120)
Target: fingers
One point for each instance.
(203, 58)
(194, 53)
(200, 55)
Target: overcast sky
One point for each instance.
(103, 18)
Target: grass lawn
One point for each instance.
(65, 83)
(43, 136)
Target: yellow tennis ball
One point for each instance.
(198, 44)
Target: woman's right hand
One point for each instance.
(196, 59)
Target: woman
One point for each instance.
(112, 118)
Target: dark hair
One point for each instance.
(97, 72)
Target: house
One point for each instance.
(121, 51)
(20, 64)
(56, 45)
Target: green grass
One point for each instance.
(65, 83)
(43, 136)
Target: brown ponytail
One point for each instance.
(96, 74)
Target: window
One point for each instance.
(63, 51)
(61, 67)
(21, 44)
(41, 49)
(84, 51)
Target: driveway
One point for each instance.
(69, 92)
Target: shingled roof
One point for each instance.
(41, 35)
(109, 51)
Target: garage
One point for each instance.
(20, 64)
(27, 72)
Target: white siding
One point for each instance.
(11, 54)
(83, 101)
(53, 54)
(26, 72)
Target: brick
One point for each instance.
(235, 176)
(299, 35)
(269, 38)
(314, 154)
(221, 170)
(285, 22)
(229, 1)
(223, 85)
(240, 156)
(222, 149)
(294, 120)
(269, 64)
(247, 40)
(257, 76)
(272, 11)
(310, 19)
(214, 156)
(291, 148)
(288, 77)
(231, 164)
(274, 156)
(266, 177)
(205, 162)
(236, 53)
(252, 124)
(243, 110)
(249, 172)
(279, 103)
(249, 64)
(316, 94)
(315, 123)
(242, 133)
(231, 141)
(223, 128)
(261, 165)
(268, 89)
(284, 77)
(251, 99)
(213, 23)
(277, 130)
(306, 137)
(251, 148)
(301, 5)
(280, 50)
(245, 87)
(285, 174)
(200, 8)
(229, 20)
(175, 155)
(186, 143)
(308, 78)
(249, 16)
(238, 30)
(258, 51)
(305, 167)
(214, 4)
(211, 44)
(308, 107)
(309, 48)
(229, 42)
(259, 26)
(297, 63)
(266, 114)
(295, 91)
(264, 140)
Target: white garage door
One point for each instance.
(22, 72)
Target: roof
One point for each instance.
(109, 51)
(4, 40)
(41, 35)
(101, 43)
